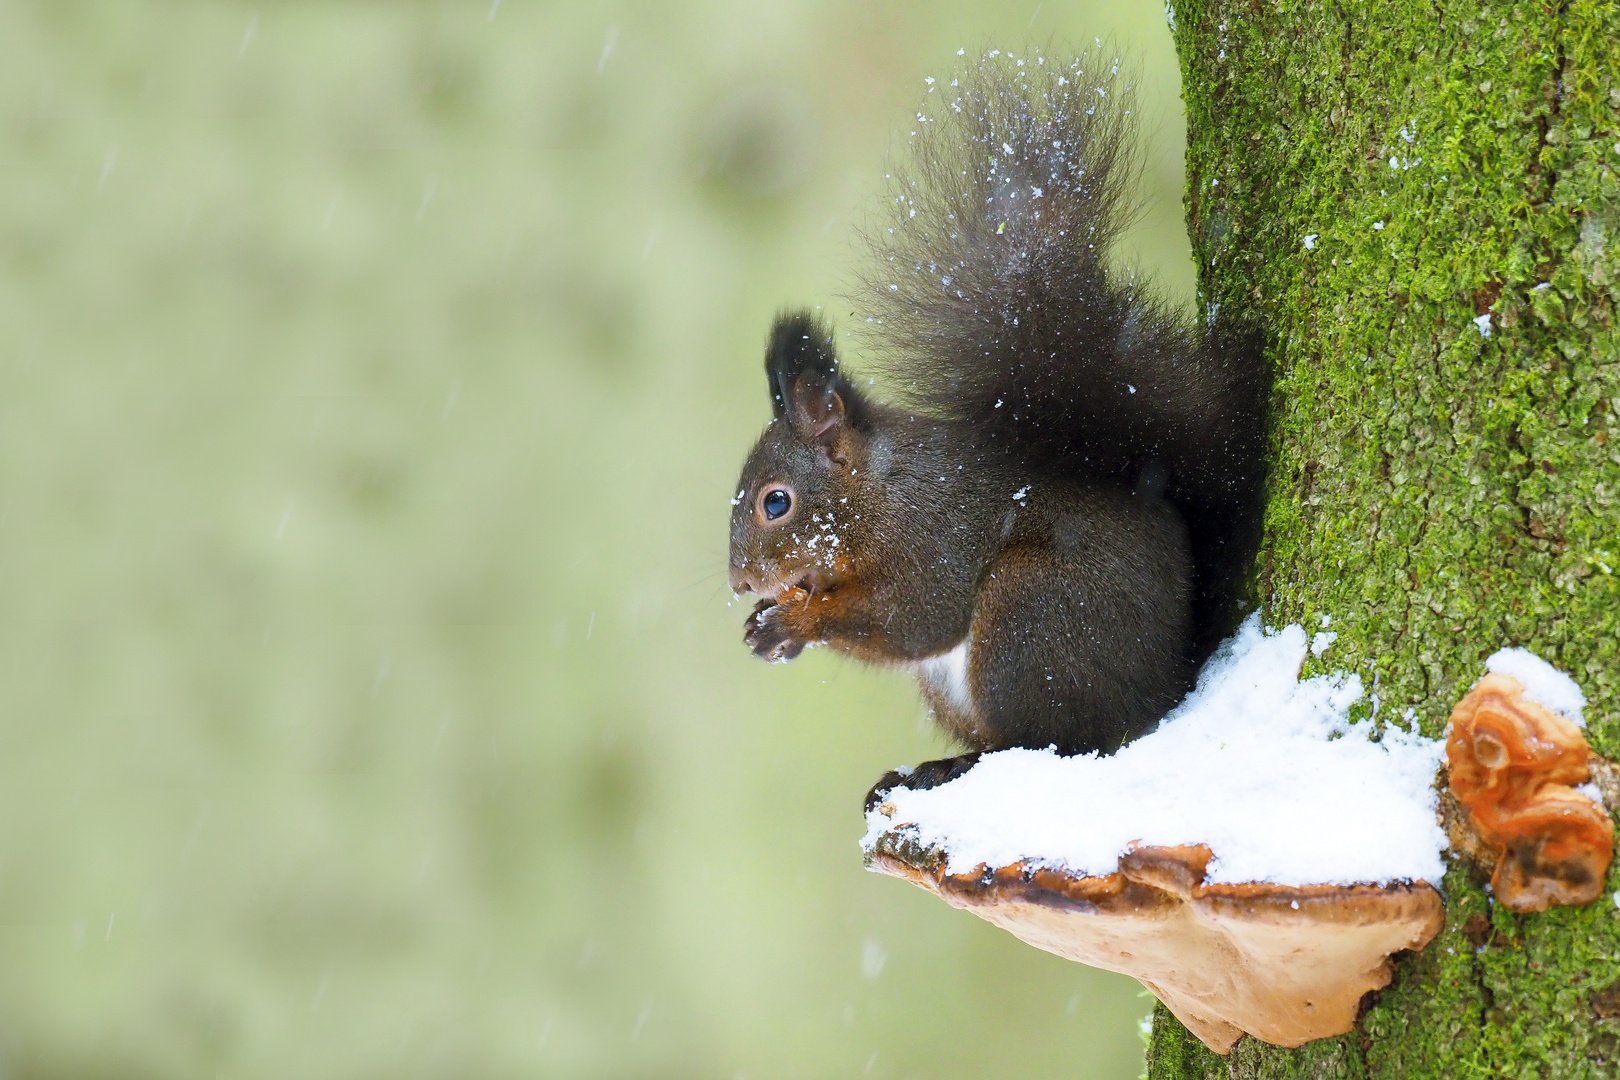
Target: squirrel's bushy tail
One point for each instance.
(991, 301)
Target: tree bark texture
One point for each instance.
(1421, 204)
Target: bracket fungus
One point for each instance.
(1286, 964)
(1515, 765)
(1254, 862)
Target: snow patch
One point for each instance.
(1543, 684)
(1265, 769)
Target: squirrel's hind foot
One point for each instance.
(930, 774)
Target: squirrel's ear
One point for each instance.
(803, 372)
(817, 409)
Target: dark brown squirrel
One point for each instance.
(1054, 526)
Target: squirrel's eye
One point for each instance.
(776, 503)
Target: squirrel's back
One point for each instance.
(992, 303)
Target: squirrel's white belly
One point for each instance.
(947, 675)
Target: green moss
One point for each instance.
(1437, 491)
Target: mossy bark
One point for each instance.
(1421, 202)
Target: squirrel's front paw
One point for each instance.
(766, 633)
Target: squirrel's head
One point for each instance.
(796, 498)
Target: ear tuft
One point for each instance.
(802, 369)
(801, 345)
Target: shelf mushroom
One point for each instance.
(1254, 862)
(1285, 964)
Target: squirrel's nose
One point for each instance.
(741, 580)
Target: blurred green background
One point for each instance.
(372, 381)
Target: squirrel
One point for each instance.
(1054, 525)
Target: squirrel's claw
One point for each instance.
(766, 634)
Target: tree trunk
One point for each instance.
(1420, 203)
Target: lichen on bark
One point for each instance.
(1421, 203)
